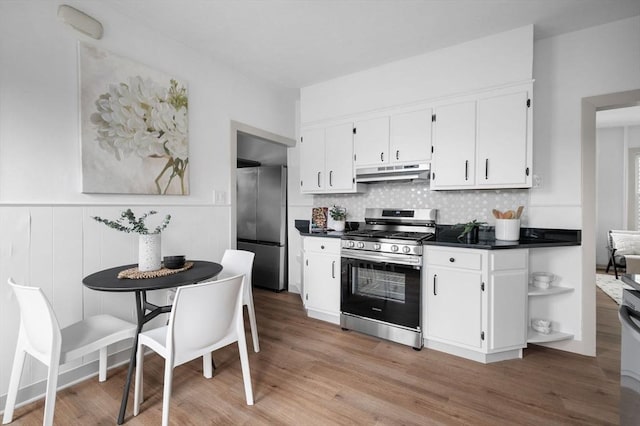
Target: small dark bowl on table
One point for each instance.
(174, 262)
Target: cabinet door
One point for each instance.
(410, 137)
(454, 306)
(508, 301)
(338, 154)
(502, 140)
(322, 282)
(454, 140)
(371, 142)
(312, 160)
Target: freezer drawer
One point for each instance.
(269, 266)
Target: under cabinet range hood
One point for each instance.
(393, 173)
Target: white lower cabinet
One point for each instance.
(475, 302)
(321, 278)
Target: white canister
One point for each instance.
(508, 229)
(149, 252)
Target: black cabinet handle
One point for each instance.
(435, 283)
(466, 169)
(451, 259)
(330, 177)
(382, 156)
(486, 168)
(397, 154)
(333, 269)
(318, 179)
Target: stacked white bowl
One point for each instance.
(541, 325)
(542, 279)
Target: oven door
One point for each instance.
(381, 290)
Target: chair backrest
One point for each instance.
(38, 323)
(203, 314)
(237, 262)
(625, 242)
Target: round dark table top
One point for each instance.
(108, 280)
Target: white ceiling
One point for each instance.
(296, 43)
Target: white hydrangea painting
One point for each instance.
(134, 127)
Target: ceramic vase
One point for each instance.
(471, 237)
(149, 252)
(336, 225)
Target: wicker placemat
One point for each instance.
(135, 274)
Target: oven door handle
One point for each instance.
(625, 314)
(414, 262)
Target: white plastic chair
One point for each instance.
(41, 337)
(237, 262)
(204, 317)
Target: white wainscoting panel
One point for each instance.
(54, 247)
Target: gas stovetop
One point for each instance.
(378, 235)
(393, 231)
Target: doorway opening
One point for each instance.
(590, 106)
(258, 197)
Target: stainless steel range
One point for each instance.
(381, 274)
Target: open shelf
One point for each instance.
(535, 337)
(535, 291)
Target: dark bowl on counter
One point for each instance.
(174, 262)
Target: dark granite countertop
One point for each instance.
(447, 236)
(303, 227)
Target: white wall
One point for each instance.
(46, 235)
(479, 64)
(567, 68)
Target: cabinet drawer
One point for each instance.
(322, 245)
(455, 259)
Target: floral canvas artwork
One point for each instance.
(134, 127)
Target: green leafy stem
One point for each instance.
(134, 224)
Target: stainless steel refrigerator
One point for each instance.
(262, 223)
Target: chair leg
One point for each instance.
(254, 326)
(14, 382)
(244, 363)
(102, 365)
(166, 393)
(207, 366)
(138, 387)
(615, 270)
(52, 385)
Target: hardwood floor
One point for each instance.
(312, 373)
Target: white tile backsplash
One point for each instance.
(453, 206)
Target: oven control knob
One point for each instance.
(406, 249)
(351, 244)
(376, 246)
(361, 245)
(394, 248)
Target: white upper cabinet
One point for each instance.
(484, 142)
(312, 160)
(371, 144)
(326, 160)
(397, 139)
(454, 134)
(338, 157)
(502, 140)
(410, 137)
